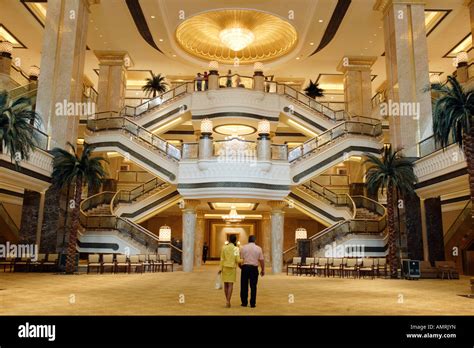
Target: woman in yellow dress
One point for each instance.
(230, 259)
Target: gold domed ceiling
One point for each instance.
(248, 35)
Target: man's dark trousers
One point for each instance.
(249, 273)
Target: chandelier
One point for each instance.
(233, 216)
(236, 38)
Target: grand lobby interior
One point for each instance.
(203, 120)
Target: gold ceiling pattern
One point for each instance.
(273, 36)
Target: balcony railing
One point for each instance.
(109, 121)
(348, 127)
(128, 196)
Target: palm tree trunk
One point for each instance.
(392, 248)
(71, 252)
(154, 94)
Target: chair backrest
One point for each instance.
(382, 261)
(323, 261)
(142, 258)
(94, 258)
(53, 257)
(108, 258)
(296, 260)
(162, 257)
(445, 264)
(134, 258)
(310, 260)
(152, 257)
(41, 257)
(337, 262)
(367, 262)
(121, 258)
(351, 262)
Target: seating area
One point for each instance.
(128, 264)
(42, 263)
(339, 267)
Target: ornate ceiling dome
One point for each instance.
(248, 35)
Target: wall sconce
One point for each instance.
(263, 127)
(33, 73)
(213, 66)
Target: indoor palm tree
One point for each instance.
(393, 173)
(155, 84)
(313, 90)
(17, 124)
(70, 168)
(452, 121)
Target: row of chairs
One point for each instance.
(342, 267)
(42, 263)
(140, 263)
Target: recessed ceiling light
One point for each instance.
(174, 55)
(297, 58)
(96, 28)
(320, 21)
(370, 41)
(153, 17)
(365, 48)
(311, 43)
(161, 40)
(101, 35)
(375, 34)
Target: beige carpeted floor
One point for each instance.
(181, 293)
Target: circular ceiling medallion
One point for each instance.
(246, 35)
(234, 129)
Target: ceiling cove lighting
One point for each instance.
(236, 38)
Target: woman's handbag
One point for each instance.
(218, 285)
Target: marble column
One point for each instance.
(424, 230)
(112, 80)
(266, 238)
(277, 226)
(406, 61)
(434, 225)
(199, 243)
(62, 67)
(206, 147)
(259, 81)
(357, 84)
(189, 233)
(470, 5)
(264, 147)
(5, 67)
(29, 216)
(413, 227)
(213, 80)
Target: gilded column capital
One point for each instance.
(277, 206)
(120, 58)
(384, 5)
(190, 204)
(356, 63)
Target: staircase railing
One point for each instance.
(163, 98)
(128, 196)
(352, 226)
(339, 115)
(348, 127)
(109, 121)
(337, 199)
(9, 221)
(463, 215)
(23, 91)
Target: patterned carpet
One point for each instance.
(181, 293)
